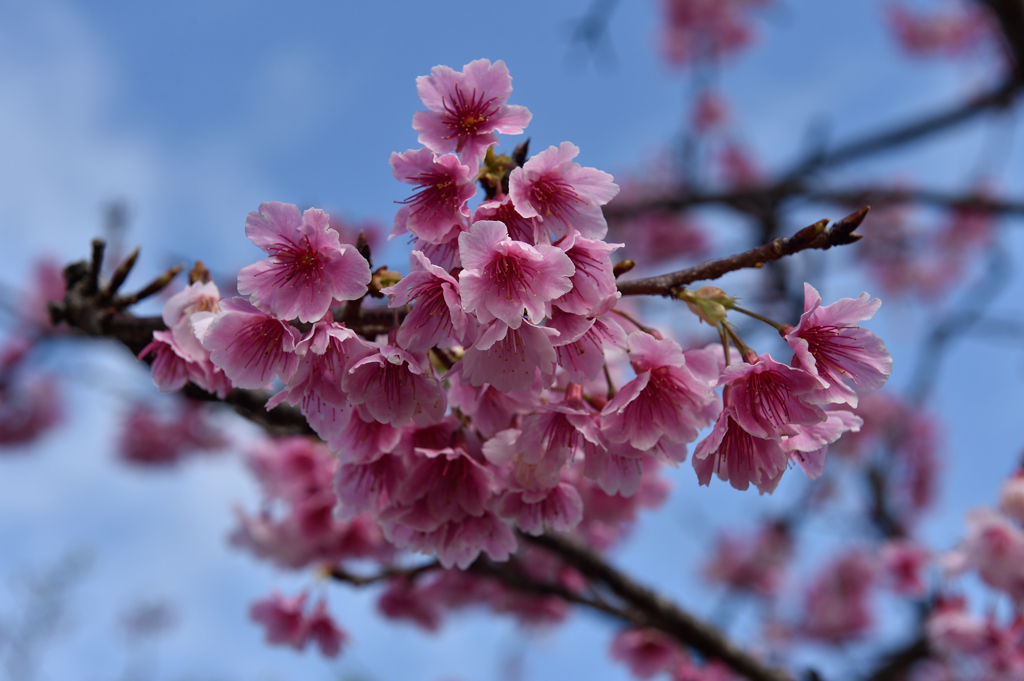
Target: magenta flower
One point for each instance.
(282, 618)
(503, 277)
(437, 318)
(562, 194)
(465, 109)
(395, 386)
(250, 346)
(647, 652)
(519, 228)
(535, 512)
(552, 437)
(308, 267)
(769, 397)
(321, 629)
(509, 359)
(316, 384)
(666, 399)
(443, 485)
(826, 344)
(593, 282)
(439, 205)
(739, 457)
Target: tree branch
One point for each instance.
(815, 236)
(659, 612)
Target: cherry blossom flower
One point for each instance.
(282, 618)
(1011, 497)
(562, 194)
(504, 211)
(826, 344)
(29, 406)
(177, 315)
(697, 30)
(666, 399)
(902, 565)
(439, 205)
(769, 397)
(959, 28)
(558, 509)
(437, 318)
(752, 564)
(509, 359)
(647, 652)
(593, 282)
(250, 347)
(395, 386)
(151, 440)
(739, 457)
(582, 340)
(837, 605)
(321, 629)
(502, 277)
(466, 108)
(308, 267)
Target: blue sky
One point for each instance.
(195, 112)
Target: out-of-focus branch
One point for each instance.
(339, 574)
(898, 663)
(1010, 15)
(816, 236)
(659, 612)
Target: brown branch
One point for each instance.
(1010, 16)
(659, 612)
(815, 236)
(339, 574)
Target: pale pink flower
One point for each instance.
(438, 206)
(445, 254)
(502, 278)
(827, 344)
(769, 397)
(490, 409)
(739, 457)
(552, 437)
(995, 548)
(666, 399)
(171, 369)
(1011, 497)
(437, 318)
(562, 194)
(617, 471)
(593, 282)
(951, 629)
(370, 486)
(466, 108)
(395, 386)
(282, 618)
(809, 446)
(509, 359)
(251, 347)
(308, 268)
(177, 315)
(647, 652)
(364, 438)
(702, 30)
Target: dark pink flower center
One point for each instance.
(295, 261)
(830, 347)
(554, 197)
(437, 196)
(260, 345)
(511, 276)
(465, 116)
(768, 397)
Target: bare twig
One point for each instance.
(815, 236)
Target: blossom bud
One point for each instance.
(709, 303)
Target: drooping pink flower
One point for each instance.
(582, 341)
(837, 606)
(809, 446)
(535, 512)
(593, 282)
(151, 440)
(466, 108)
(395, 386)
(282, 618)
(322, 630)
(562, 194)
(502, 278)
(647, 652)
(251, 347)
(171, 369)
(739, 457)
(437, 318)
(551, 437)
(666, 399)
(827, 344)
(752, 564)
(29, 406)
(769, 397)
(316, 384)
(951, 629)
(308, 268)
(702, 30)
(438, 206)
(490, 409)
(364, 438)
(509, 359)
(368, 486)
